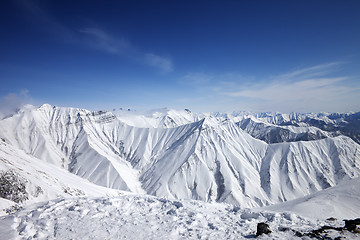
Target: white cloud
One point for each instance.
(162, 63)
(13, 101)
(195, 79)
(312, 89)
(103, 41)
(215, 82)
(308, 89)
(43, 19)
(94, 37)
(310, 72)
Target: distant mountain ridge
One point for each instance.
(330, 124)
(183, 155)
(268, 127)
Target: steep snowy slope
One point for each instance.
(290, 170)
(32, 180)
(268, 127)
(211, 159)
(222, 163)
(80, 210)
(272, 133)
(341, 201)
(69, 138)
(315, 125)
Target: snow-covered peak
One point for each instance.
(158, 118)
(184, 155)
(46, 106)
(246, 160)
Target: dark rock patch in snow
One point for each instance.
(12, 186)
(262, 228)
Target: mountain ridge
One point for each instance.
(211, 159)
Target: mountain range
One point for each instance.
(211, 175)
(241, 158)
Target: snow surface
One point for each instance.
(158, 118)
(146, 217)
(81, 160)
(272, 133)
(341, 202)
(54, 182)
(211, 159)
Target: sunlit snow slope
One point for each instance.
(42, 181)
(210, 159)
(341, 201)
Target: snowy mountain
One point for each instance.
(211, 159)
(158, 118)
(340, 201)
(268, 127)
(272, 133)
(73, 163)
(25, 178)
(274, 128)
(111, 214)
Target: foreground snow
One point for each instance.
(341, 201)
(147, 217)
(79, 209)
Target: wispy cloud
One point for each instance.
(310, 72)
(315, 88)
(43, 19)
(103, 41)
(308, 89)
(214, 81)
(94, 37)
(13, 101)
(195, 79)
(162, 63)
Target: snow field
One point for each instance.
(147, 217)
(341, 201)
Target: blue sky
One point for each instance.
(287, 56)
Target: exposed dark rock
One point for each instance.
(321, 233)
(13, 209)
(12, 186)
(262, 228)
(171, 212)
(317, 232)
(352, 225)
(178, 204)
